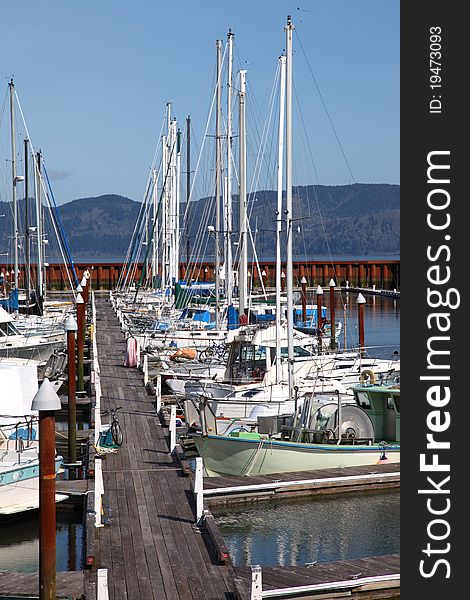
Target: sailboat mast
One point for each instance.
(26, 219)
(218, 156)
(11, 85)
(243, 254)
(228, 226)
(188, 189)
(173, 254)
(155, 234)
(282, 99)
(164, 213)
(37, 185)
(177, 204)
(289, 270)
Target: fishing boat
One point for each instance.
(332, 435)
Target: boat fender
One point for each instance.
(367, 376)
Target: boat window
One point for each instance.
(8, 329)
(363, 400)
(298, 351)
(397, 403)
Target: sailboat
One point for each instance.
(261, 452)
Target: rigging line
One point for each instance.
(326, 109)
(129, 250)
(322, 222)
(155, 220)
(61, 229)
(135, 247)
(44, 189)
(204, 137)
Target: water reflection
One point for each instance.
(301, 532)
(19, 543)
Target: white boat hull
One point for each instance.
(224, 455)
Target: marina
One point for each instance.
(194, 421)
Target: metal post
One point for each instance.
(199, 488)
(360, 317)
(303, 283)
(333, 344)
(243, 250)
(228, 213)
(172, 428)
(158, 394)
(46, 402)
(218, 156)
(11, 85)
(80, 338)
(71, 328)
(319, 312)
(256, 583)
(26, 219)
(289, 268)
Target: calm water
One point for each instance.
(19, 543)
(298, 532)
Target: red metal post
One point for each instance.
(303, 283)
(47, 511)
(72, 404)
(332, 315)
(80, 341)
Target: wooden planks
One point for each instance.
(149, 544)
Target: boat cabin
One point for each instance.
(382, 404)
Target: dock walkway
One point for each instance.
(149, 544)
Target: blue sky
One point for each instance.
(93, 78)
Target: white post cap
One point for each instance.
(83, 281)
(319, 289)
(71, 324)
(303, 280)
(360, 299)
(46, 398)
(332, 283)
(79, 299)
(79, 289)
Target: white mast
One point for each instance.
(289, 271)
(282, 93)
(164, 212)
(172, 205)
(37, 193)
(228, 225)
(11, 85)
(243, 252)
(155, 229)
(177, 203)
(218, 153)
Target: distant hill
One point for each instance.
(359, 219)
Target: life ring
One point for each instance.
(367, 376)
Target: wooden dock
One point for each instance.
(150, 543)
